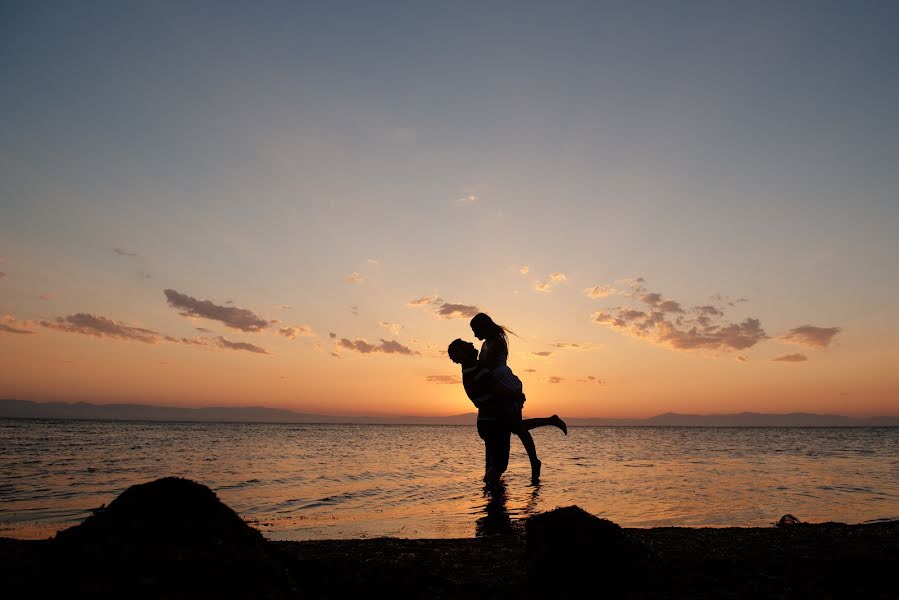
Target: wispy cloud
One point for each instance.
(229, 345)
(573, 345)
(790, 358)
(98, 326)
(296, 331)
(812, 336)
(444, 379)
(599, 291)
(373, 261)
(554, 379)
(393, 328)
(558, 277)
(666, 322)
(355, 278)
(8, 324)
(524, 270)
(530, 370)
(383, 346)
(591, 379)
(542, 353)
(231, 316)
(121, 252)
(543, 286)
(443, 309)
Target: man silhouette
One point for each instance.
(495, 404)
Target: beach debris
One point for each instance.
(571, 548)
(787, 520)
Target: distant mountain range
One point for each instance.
(26, 409)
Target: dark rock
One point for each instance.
(168, 538)
(568, 549)
(788, 520)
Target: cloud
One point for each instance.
(332, 335)
(811, 336)
(790, 358)
(355, 278)
(445, 310)
(284, 306)
(9, 324)
(555, 379)
(530, 370)
(741, 358)
(524, 270)
(599, 291)
(591, 379)
(393, 328)
(45, 297)
(121, 252)
(444, 379)
(542, 353)
(423, 301)
(296, 331)
(546, 285)
(204, 330)
(572, 345)
(385, 347)
(665, 322)
(456, 311)
(467, 200)
(200, 341)
(223, 343)
(236, 318)
(103, 327)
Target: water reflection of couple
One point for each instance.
(498, 395)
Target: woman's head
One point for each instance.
(484, 328)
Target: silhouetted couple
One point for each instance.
(498, 395)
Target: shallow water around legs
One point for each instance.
(348, 481)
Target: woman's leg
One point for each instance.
(528, 442)
(555, 421)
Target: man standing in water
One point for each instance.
(495, 407)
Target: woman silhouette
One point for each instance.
(494, 355)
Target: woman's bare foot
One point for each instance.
(559, 423)
(535, 471)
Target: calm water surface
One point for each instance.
(337, 481)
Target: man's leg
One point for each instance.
(485, 431)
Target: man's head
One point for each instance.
(462, 352)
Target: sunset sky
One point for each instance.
(688, 207)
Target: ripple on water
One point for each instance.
(331, 480)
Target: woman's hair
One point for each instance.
(483, 322)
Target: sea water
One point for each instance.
(346, 481)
